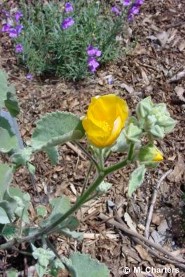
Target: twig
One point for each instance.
(76, 150)
(153, 252)
(90, 157)
(177, 261)
(154, 197)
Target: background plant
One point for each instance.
(47, 44)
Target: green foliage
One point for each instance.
(56, 128)
(50, 49)
(7, 95)
(83, 266)
(136, 179)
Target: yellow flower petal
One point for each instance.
(106, 117)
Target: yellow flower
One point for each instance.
(106, 117)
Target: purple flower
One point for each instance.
(6, 27)
(115, 10)
(139, 2)
(6, 13)
(92, 64)
(133, 11)
(19, 48)
(67, 22)
(126, 2)
(68, 7)
(93, 51)
(14, 32)
(29, 77)
(18, 15)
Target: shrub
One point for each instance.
(53, 38)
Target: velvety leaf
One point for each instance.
(5, 178)
(4, 219)
(136, 179)
(83, 266)
(11, 103)
(8, 141)
(52, 153)
(56, 128)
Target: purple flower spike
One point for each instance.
(115, 10)
(92, 64)
(126, 2)
(133, 11)
(93, 51)
(139, 2)
(67, 22)
(68, 7)
(6, 28)
(19, 48)
(18, 15)
(29, 77)
(14, 32)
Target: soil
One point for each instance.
(154, 66)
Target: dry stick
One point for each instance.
(153, 252)
(142, 238)
(75, 149)
(154, 197)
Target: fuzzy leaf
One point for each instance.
(52, 153)
(83, 265)
(4, 219)
(8, 142)
(7, 95)
(11, 103)
(5, 178)
(56, 128)
(136, 179)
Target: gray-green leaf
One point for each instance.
(83, 265)
(56, 128)
(136, 179)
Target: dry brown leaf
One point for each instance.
(143, 253)
(180, 93)
(181, 45)
(128, 88)
(129, 222)
(179, 170)
(163, 38)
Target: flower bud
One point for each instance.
(150, 154)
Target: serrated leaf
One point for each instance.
(5, 178)
(41, 210)
(104, 187)
(52, 153)
(136, 179)
(56, 128)
(8, 142)
(42, 255)
(83, 265)
(4, 219)
(41, 270)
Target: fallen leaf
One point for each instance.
(179, 170)
(143, 254)
(180, 91)
(129, 222)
